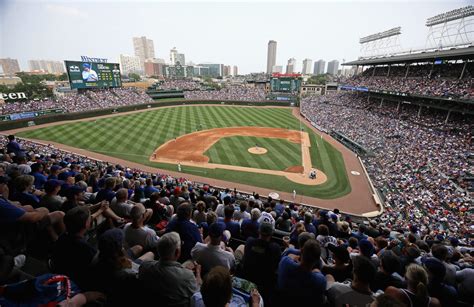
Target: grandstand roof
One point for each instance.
(451, 54)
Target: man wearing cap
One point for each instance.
(52, 200)
(260, 260)
(212, 254)
(367, 250)
(88, 74)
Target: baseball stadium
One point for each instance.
(192, 185)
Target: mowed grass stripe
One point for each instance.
(286, 157)
(251, 160)
(134, 136)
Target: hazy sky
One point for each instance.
(232, 33)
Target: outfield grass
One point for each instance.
(234, 151)
(134, 137)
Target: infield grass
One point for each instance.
(135, 136)
(233, 150)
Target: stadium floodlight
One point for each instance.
(450, 16)
(381, 35)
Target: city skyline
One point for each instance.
(232, 43)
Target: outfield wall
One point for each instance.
(8, 125)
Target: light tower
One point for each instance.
(382, 43)
(453, 28)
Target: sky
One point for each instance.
(231, 33)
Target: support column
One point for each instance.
(388, 72)
(447, 117)
(408, 69)
(463, 70)
(368, 98)
(419, 111)
(381, 103)
(373, 71)
(398, 107)
(431, 70)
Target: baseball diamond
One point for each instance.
(136, 136)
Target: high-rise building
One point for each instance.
(173, 55)
(9, 66)
(307, 63)
(215, 70)
(227, 70)
(236, 71)
(52, 67)
(333, 67)
(290, 67)
(277, 69)
(130, 64)
(153, 67)
(271, 55)
(144, 48)
(180, 58)
(319, 67)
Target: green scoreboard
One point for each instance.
(285, 84)
(93, 75)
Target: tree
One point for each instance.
(320, 79)
(62, 77)
(134, 77)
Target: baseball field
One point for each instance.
(265, 147)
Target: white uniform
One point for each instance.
(90, 76)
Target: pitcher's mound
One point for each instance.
(257, 150)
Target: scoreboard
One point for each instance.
(285, 84)
(93, 75)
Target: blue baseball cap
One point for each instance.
(86, 65)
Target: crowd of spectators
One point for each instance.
(427, 80)
(185, 85)
(231, 92)
(77, 102)
(165, 240)
(418, 163)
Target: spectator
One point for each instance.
(298, 281)
(137, 233)
(357, 292)
(211, 255)
(188, 231)
(166, 278)
(416, 293)
(216, 291)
